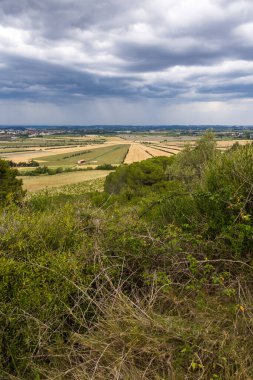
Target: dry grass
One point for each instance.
(133, 340)
(48, 181)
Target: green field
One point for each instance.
(106, 155)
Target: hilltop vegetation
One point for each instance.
(149, 279)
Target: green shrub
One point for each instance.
(10, 187)
(135, 177)
(106, 167)
(224, 197)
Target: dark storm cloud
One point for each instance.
(233, 90)
(39, 81)
(141, 58)
(62, 50)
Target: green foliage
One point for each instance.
(10, 186)
(225, 196)
(106, 167)
(42, 273)
(189, 164)
(31, 163)
(135, 177)
(52, 171)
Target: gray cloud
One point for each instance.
(39, 81)
(180, 51)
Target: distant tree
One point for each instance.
(10, 186)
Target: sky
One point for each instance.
(84, 62)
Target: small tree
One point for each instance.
(10, 186)
(190, 163)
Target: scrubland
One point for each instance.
(148, 277)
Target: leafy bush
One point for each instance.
(106, 167)
(225, 197)
(10, 186)
(135, 177)
(50, 171)
(31, 163)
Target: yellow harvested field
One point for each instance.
(49, 181)
(168, 148)
(115, 139)
(157, 153)
(140, 152)
(227, 144)
(136, 153)
(178, 145)
(173, 148)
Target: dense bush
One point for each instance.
(106, 167)
(135, 177)
(225, 198)
(10, 186)
(31, 163)
(50, 171)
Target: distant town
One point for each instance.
(221, 131)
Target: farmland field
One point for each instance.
(137, 152)
(50, 142)
(66, 150)
(114, 154)
(155, 152)
(47, 181)
(25, 149)
(27, 155)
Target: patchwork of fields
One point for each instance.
(89, 152)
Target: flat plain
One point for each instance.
(67, 151)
